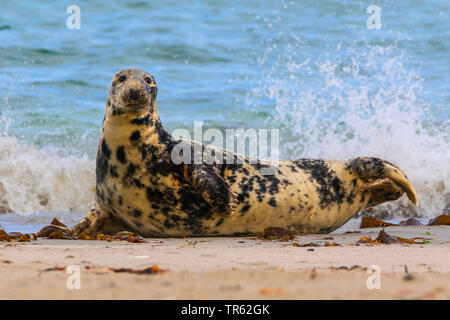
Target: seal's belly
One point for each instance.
(304, 198)
(313, 198)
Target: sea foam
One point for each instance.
(367, 105)
(32, 180)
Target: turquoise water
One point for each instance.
(312, 69)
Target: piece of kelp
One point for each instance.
(366, 239)
(55, 268)
(356, 266)
(369, 222)
(385, 238)
(119, 236)
(150, 270)
(4, 236)
(442, 220)
(16, 236)
(311, 244)
(276, 233)
(332, 244)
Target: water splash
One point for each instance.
(32, 180)
(367, 105)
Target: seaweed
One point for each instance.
(442, 220)
(268, 291)
(349, 268)
(276, 233)
(16, 236)
(150, 270)
(120, 236)
(311, 244)
(385, 238)
(332, 244)
(368, 222)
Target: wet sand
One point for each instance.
(231, 268)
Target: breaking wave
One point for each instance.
(366, 105)
(33, 180)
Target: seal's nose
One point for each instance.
(134, 94)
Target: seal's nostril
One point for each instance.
(134, 94)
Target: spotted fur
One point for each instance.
(140, 188)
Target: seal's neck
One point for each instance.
(119, 124)
(113, 111)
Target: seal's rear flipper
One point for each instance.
(371, 169)
(382, 190)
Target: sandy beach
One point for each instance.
(232, 268)
(169, 120)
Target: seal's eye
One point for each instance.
(148, 80)
(122, 78)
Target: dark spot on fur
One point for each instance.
(350, 197)
(154, 195)
(136, 135)
(113, 171)
(105, 149)
(167, 224)
(138, 183)
(143, 120)
(116, 111)
(219, 222)
(99, 193)
(272, 202)
(137, 213)
(130, 170)
(120, 154)
(103, 155)
(245, 208)
(165, 210)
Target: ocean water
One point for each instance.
(312, 69)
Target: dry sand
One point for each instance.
(231, 268)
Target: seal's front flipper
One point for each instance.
(374, 169)
(79, 228)
(95, 222)
(214, 189)
(47, 230)
(98, 221)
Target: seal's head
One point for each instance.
(132, 90)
